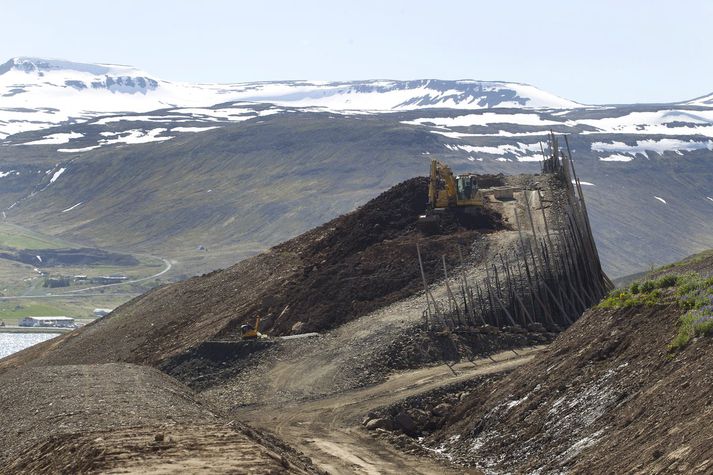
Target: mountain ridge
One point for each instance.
(37, 93)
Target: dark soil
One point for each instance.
(215, 362)
(419, 347)
(427, 412)
(365, 260)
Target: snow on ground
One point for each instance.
(193, 129)
(658, 146)
(660, 199)
(81, 149)
(71, 207)
(56, 139)
(11, 172)
(523, 152)
(484, 119)
(663, 122)
(500, 133)
(709, 198)
(616, 157)
(144, 118)
(136, 136)
(57, 174)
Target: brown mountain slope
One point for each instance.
(607, 397)
(319, 280)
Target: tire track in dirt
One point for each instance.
(329, 431)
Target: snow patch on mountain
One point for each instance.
(57, 174)
(659, 146)
(71, 207)
(194, 129)
(662, 122)
(617, 157)
(80, 149)
(55, 139)
(37, 93)
(484, 119)
(522, 152)
(136, 136)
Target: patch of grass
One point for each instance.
(692, 324)
(692, 292)
(695, 295)
(11, 311)
(18, 238)
(647, 292)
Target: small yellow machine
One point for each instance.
(449, 193)
(248, 332)
(446, 190)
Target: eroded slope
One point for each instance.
(607, 397)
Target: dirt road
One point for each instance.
(329, 430)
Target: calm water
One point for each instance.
(12, 342)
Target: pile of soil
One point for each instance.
(328, 276)
(418, 346)
(79, 419)
(606, 397)
(365, 260)
(421, 415)
(215, 362)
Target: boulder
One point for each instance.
(379, 423)
(442, 410)
(406, 423)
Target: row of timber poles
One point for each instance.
(548, 280)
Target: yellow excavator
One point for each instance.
(248, 332)
(449, 192)
(446, 190)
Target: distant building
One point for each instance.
(102, 312)
(108, 279)
(55, 322)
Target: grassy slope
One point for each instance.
(267, 182)
(273, 178)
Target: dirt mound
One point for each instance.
(365, 260)
(79, 419)
(607, 397)
(328, 276)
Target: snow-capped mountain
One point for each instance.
(87, 129)
(37, 93)
(704, 101)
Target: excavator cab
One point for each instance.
(467, 186)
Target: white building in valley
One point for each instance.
(53, 322)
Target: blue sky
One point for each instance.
(592, 52)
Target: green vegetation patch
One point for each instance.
(692, 292)
(12, 311)
(648, 292)
(17, 238)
